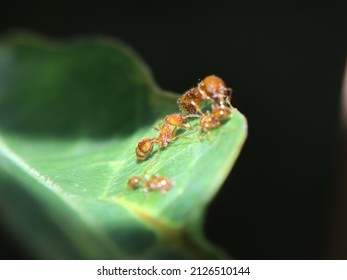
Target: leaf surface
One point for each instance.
(70, 117)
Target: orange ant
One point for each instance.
(212, 120)
(153, 182)
(144, 147)
(211, 88)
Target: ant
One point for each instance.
(211, 88)
(213, 120)
(153, 182)
(144, 147)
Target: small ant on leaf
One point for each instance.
(144, 147)
(213, 120)
(150, 183)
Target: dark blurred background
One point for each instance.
(285, 64)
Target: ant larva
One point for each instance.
(145, 146)
(211, 88)
(150, 183)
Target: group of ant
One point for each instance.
(211, 89)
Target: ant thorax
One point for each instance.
(165, 135)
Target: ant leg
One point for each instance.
(202, 92)
(157, 155)
(229, 104)
(230, 91)
(228, 98)
(190, 125)
(173, 132)
(197, 108)
(205, 132)
(184, 137)
(186, 127)
(183, 112)
(157, 131)
(173, 138)
(192, 116)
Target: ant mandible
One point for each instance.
(153, 182)
(145, 146)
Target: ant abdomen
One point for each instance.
(144, 148)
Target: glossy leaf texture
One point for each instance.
(71, 114)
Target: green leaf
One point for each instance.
(70, 117)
